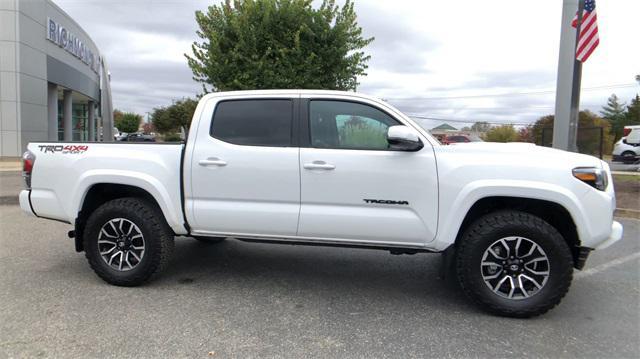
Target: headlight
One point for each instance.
(594, 177)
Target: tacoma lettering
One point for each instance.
(385, 201)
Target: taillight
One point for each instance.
(28, 160)
(626, 131)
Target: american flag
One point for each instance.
(588, 39)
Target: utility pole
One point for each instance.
(565, 127)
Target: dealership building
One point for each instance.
(54, 84)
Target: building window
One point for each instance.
(79, 121)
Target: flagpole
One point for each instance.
(564, 132)
(574, 116)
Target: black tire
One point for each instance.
(483, 233)
(158, 240)
(628, 157)
(209, 240)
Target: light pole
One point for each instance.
(565, 126)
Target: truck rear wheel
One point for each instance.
(514, 264)
(127, 241)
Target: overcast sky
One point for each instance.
(459, 60)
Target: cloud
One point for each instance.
(428, 57)
(398, 46)
(511, 79)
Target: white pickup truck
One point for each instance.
(335, 169)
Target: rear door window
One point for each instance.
(260, 122)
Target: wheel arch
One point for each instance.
(100, 193)
(552, 212)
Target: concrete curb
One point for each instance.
(10, 166)
(8, 200)
(626, 173)
(627, 213)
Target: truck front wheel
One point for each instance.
(514, 264)
(127, 241)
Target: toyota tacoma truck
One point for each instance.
(335, 169)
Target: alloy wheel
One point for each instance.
(121, 244)
(515, 268)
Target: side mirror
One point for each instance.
(403, 138)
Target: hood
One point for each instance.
(525, 152)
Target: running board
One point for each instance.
(392, 250)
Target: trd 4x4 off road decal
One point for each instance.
(64, 149)
(385, 201)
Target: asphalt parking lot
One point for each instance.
(238, 299)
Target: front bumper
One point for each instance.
(616, 235)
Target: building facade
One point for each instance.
(54, 85)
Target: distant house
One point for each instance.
(441, 131)
(445, 127)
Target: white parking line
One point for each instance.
(605, 266)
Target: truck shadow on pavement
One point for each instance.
(370, 278)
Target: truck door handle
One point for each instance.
(319, 165)
(212, 161)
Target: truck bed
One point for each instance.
(64, 172)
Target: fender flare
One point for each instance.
(140, 180)
(449, 226)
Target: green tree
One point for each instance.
(169, 119)
(615, 113)
(117, 115)
(502, 133)
(525, 134)
(589, 136)
(633, 112)
(128, 122)
(278, 44)
(480, 127)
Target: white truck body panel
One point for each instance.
(332, 202)
(62, 180)
(255, 192)
(477, 170)
(268, 193)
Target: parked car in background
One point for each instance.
(459, 138)
(632, 133)
(139, 137)
(122, 136)
(627, 149)
(116, 134)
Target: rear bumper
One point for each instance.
(616, 235)
(25, 204)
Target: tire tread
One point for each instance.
(152, 218)
(494, 221)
